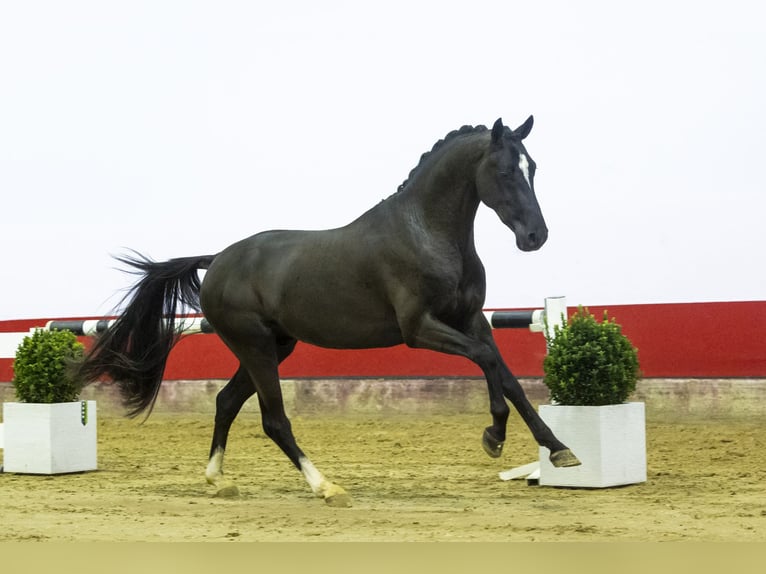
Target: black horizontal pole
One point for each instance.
(511, 319)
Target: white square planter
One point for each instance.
(49, 438)
(609, 440)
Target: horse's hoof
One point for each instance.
(492, 446)
(228, 491)
(564, 458)
(337, 497)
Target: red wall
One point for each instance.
(683, 340)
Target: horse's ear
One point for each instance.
(523, 130)
(497, 132)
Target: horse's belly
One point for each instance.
(329, 325)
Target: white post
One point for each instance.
(555, 314)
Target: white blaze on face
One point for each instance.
(524, 167)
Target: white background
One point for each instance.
(178, 127)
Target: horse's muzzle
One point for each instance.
(531, 240)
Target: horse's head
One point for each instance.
(505, 183)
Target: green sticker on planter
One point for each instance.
(84, 412)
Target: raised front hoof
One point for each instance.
(564, 458)
(337, 497)
(492, 446)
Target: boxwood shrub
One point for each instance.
(41, 367)
(590, 363)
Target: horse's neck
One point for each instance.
(443, 192)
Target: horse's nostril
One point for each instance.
(536, 239)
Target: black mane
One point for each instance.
(464, 130)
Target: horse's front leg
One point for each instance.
(478, 345)
(498, 371)
(560, 455)
(431, 333)
(493, 442)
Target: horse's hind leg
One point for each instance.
(228, 404)
(277, 426)
(261, 358)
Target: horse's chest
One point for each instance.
(456, 285)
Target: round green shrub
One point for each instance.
(40, 369)
(590, 363)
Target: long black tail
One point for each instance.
(133, 352)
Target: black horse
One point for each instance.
(406, 271)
